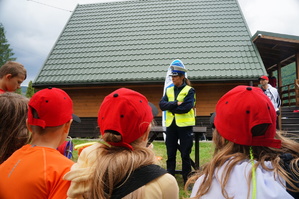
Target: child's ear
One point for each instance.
(28, 126)
(8, 76)
(146, 134)
(67, 126)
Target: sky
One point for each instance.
(33, 26)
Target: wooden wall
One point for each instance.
(87, 100)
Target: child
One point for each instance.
(13, 130)
(121, 166)
(36, 169)
(12, 74)
(251, 159)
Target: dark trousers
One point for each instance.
(184, 134)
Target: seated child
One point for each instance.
(13, 130)
(251, 159)
(36, 169)
(121, 166)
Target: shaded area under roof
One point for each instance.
(275, 48)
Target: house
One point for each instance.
(106, 46)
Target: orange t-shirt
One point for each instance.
(34, 172)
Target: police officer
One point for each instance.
(178, 102)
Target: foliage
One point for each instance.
(288, 74)
(19, 91)
(5, 50)
(30, 90)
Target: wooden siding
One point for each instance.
(208, 95)
(88, 127)
(87, 100)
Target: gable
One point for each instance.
(135, 41)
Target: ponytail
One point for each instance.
(187, 81)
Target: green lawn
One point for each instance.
(206, 151)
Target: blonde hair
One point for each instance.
(115, 164)
(13, 130)
(227, 151)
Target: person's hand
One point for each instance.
(179, 103)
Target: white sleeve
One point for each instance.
(267, 186)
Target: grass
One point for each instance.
(160, 151)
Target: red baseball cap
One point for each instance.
(241, 109)
(53, 106)
(264, 77)
(126, 112)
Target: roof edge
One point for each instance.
(264, 34)
(87, 84)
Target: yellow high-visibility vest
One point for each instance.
(183, 119)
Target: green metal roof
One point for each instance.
(135, 41)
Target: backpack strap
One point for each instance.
(137, 179)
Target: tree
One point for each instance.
(19, 91)
(30, 90)
(5, 50)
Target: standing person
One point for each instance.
(178, 102)
(271, 92)
(121, 166)
(251, 159)
(13, 130)
(35, 171)
(12, 74)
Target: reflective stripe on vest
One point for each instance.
(183, 119)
